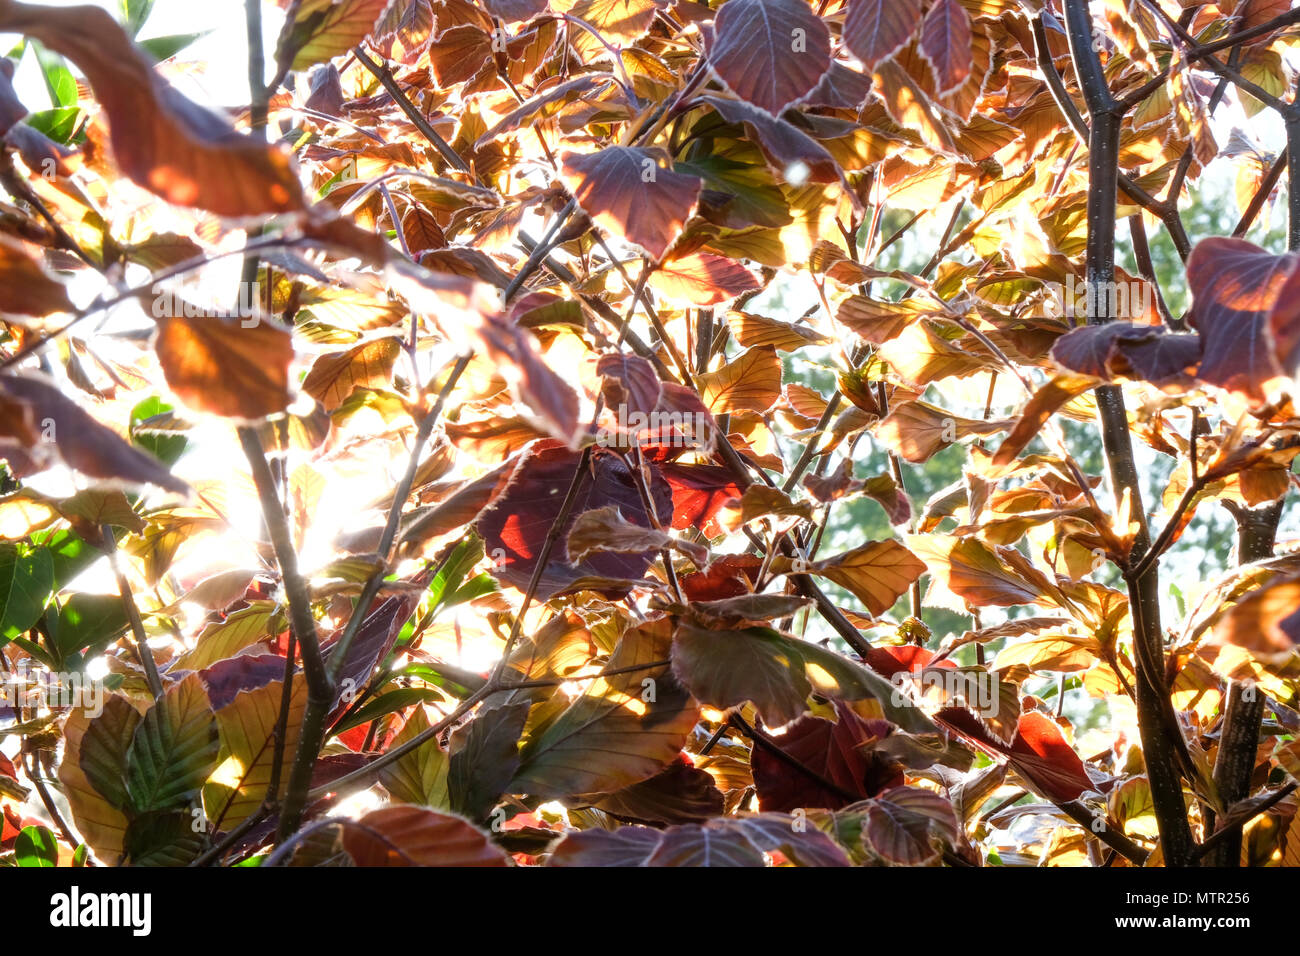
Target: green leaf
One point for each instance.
(165, 446)
(462, 559)
(420, 777)
(624, 729)
(484, 756)
(71, 555)
(166, 47)
(174, 749)
(104, 748)
(58, 124)
(388, 703)
(163, 838)
(135, 13)
(59, 81)
(36, 846)
(26, 583)
(89, 621)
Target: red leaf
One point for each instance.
(699, 492)
(521, 517)
(839, 752)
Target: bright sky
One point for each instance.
(221, 20)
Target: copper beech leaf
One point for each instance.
(513, 11)
(98, 815)
(946, 44)
(403, 835)
(680, 794)
(484, 755)
(26, 289)
(71, 434)
(725, 842)
(839, 752)
(222, 366)
(877, 573)
(702, 279)
(918, 430)
(177, 149)
(625, 728)
(750, 382)
(319, 30)
(877, 29)
(777, 672)
(520, 518)
(1041, 406)
(770, 52)
(1265, 622)
(1235, 286)
(1130, 350)
(980, 574)
(247, 727)
(334, 375)
(625, 190)
(908, 826)
(788, 149)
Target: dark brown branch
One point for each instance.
(1155, 710)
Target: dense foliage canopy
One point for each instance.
(431, 462)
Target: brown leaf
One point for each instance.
(750, 382)
(770, 53)
(980, 574)
(1042, 406)
(25, 287)
(702, 279)
(917, 430)
(877, 29)
(1235, 287)
(333, 376)
(405, 835)
(877, 573)
(1266, 622)
(946, 44)
(82, 443)
(319, 30)
(754, 331)
(627, 192)
(629, 382)
(217, 365)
